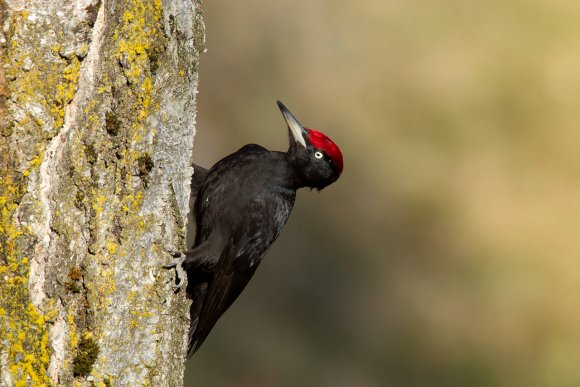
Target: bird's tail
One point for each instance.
(197, 296)
(191, 343)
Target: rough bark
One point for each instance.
(97, 109)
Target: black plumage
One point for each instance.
(242, 204)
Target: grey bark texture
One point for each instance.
(97, 121)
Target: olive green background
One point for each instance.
(448, 253)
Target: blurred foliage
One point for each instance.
(448, 252)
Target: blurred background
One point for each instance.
(448, 253)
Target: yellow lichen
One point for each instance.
(48, 81)
(55, 80)
(34, 163)
(111, 246)
(99, 202)
(22, 325)
(139, 31)
(65, 90)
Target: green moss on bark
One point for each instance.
(87, 353)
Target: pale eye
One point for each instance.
(318, 155)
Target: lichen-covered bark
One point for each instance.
(97, 108)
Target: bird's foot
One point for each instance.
(180, 273)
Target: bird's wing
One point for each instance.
(199, 174)
(237, 263)
(220, 293)
(200, 264)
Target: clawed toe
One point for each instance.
(179, 271)
(176, 254)
(170, 265)
(179, 284)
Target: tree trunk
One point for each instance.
(97, 108)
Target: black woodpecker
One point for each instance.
(242, 204)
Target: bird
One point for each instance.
(240, 206)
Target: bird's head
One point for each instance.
(314, 156)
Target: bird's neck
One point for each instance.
(285, 174)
